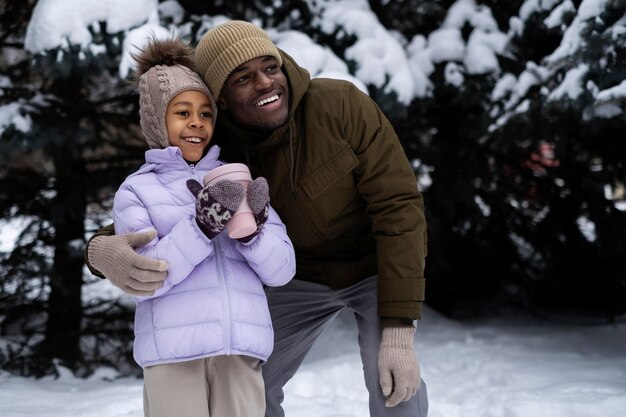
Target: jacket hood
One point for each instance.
(299, 80)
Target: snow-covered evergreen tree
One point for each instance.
(512, 114)
(68, 109)
(558, 114)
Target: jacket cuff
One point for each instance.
(108, 230)
(396, 322)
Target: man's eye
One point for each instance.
(271, 68)
(242, 79)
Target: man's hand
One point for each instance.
(397, 365)
(115, 257)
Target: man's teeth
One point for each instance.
(194, 140)
(267, 100)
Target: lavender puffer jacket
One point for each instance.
(213, 302)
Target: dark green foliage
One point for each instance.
(548, 203)
(268, 13)
(412, 16)
(52, 176)
(505, 223)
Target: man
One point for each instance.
(343, 186)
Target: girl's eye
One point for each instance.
(206, 115)
(183, 113)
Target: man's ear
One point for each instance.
(221, 103)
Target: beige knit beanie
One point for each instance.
(226, 47)
(163, 78)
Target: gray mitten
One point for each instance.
(259, 200)
(216, 204)
(258, 194)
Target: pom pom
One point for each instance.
(164, 52)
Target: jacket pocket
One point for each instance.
(331, 191)
(330, 173)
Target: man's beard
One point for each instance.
(263, 126)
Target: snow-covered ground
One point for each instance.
(495, 368)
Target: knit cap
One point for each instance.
(166, 69)
(226, 47)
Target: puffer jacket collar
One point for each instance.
(171, 158)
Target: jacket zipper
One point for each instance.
(301, 206)
(222, 281)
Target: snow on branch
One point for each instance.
(60, 23)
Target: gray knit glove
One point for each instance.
(216, 204)
(398, 369)
(115, 258)
(258, 194)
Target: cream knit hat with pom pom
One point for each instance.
(166, 69)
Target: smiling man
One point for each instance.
(341, 183)
(257, 95)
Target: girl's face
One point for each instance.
(189, 123)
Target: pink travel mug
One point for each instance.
(242, 224)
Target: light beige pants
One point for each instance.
(219, 386)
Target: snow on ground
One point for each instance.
(495, 368)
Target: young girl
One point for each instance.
(201, 338)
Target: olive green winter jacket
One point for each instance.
(343, 186)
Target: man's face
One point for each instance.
(256, 95)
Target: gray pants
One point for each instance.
(301, 311)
